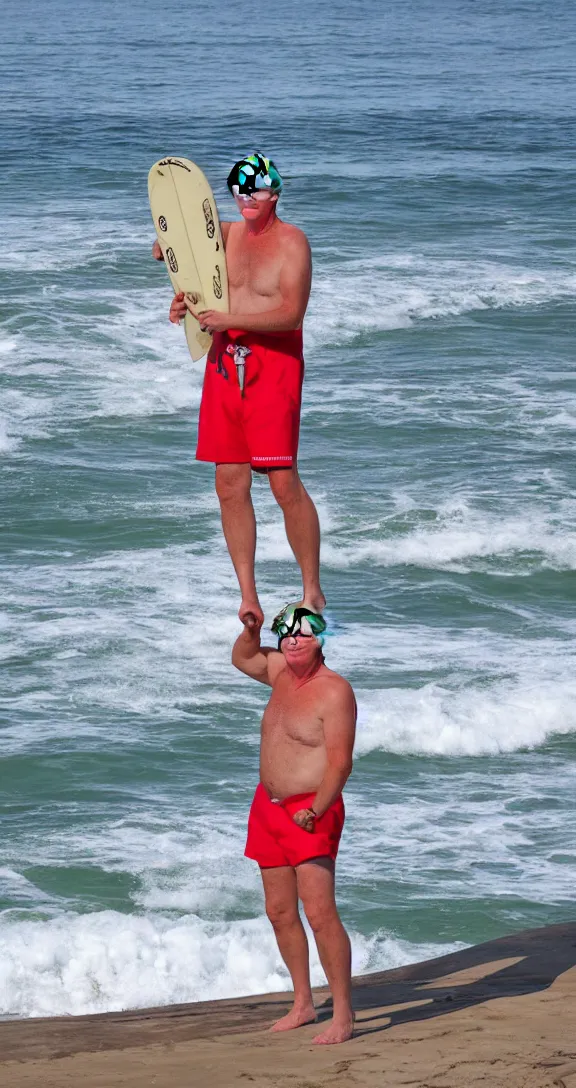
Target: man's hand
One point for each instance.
(178, 309)
(157, 252)
(210, 320)
(305, 819)
(252, 617)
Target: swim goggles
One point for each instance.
(295, 620)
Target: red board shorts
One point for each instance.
(274, 839)
(260, 425)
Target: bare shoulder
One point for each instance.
(225, 227)
(276, 664)
(293, 237)
(336, 688)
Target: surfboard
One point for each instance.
(188, 231)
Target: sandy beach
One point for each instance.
(498, 1014)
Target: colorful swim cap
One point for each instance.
(253, 173)
(295, 620)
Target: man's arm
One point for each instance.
(294, 286)
(261, 663)
(339, 720)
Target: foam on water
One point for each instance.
(393, 291)
(496, 833)
(479, 720)
(109, 961)
(452, 533)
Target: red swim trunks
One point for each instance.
(274, 839)
(259, 425)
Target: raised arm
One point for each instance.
(262, 663)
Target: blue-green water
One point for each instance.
(429, 153)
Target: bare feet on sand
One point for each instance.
(338, 1031)
(250, 613)
(296, 1018)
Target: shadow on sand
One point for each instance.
(430, 989)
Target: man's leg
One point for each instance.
(282, 910)
(302, 530)
(233, 483)
(316, 890)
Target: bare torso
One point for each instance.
(255, 262)
(293, 749)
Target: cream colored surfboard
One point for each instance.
(188, 230)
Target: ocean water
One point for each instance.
(428, 151)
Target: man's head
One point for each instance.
(255, 185)
(300, 635)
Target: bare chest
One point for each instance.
(253, 265)
(293, 717)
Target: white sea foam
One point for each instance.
(473, 542)
(394, 290)
(66, 237)
(452, 534)
(105, 961)
(482, 719)
(495, 833)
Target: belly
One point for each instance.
(287, 767)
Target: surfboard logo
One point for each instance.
(174, 162)
(210, 228)
(162, 223)
(217, 283)
(171, 258)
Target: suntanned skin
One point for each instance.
(307, 739)
(270, 274)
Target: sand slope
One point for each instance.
(500, 1015)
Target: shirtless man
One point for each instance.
(297, 814)
(250, 412)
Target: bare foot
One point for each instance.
(336, 1032)
(315, 601)
(296, 1018)
(250, 613)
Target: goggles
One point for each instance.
(261, 195)
(295, 620)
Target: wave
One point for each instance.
(481, 544)
(106, 961)
(395, 291)
(489, 719)
(452, 535)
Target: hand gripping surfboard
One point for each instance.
(188, 230)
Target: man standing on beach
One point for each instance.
(297, 814)
(250, 409)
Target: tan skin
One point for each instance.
(270, 273)
(308, 732)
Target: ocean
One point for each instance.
(427, 147)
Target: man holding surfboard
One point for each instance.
(250, 409)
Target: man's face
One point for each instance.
(300, 649)
(256, 206)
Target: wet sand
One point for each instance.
(499, 1015)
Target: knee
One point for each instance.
(319, 915)
(233, 482)
(285, 485)
(281, 914)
